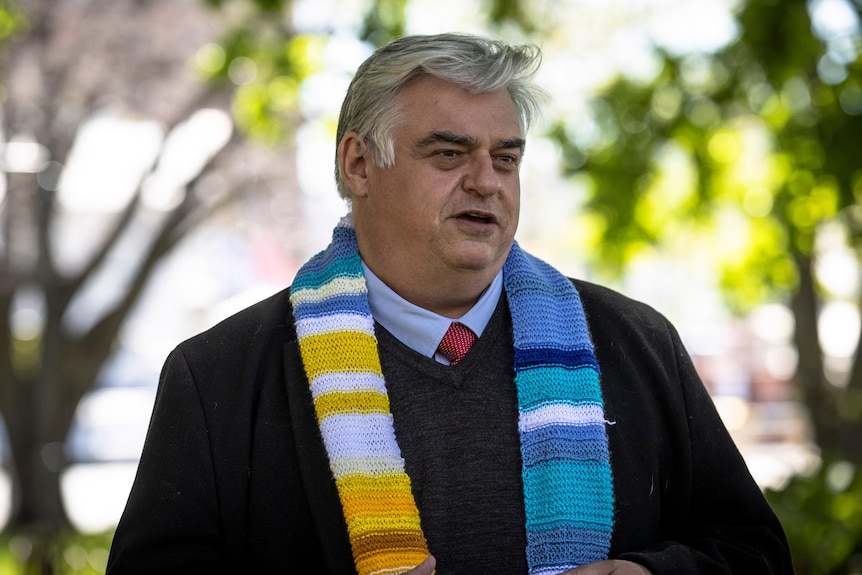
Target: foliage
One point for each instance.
(753, 126)
(753, 147)
(385, 21)
(822, 518)
(12, 22)
(70, 553)
(265, 60)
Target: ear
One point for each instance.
(353, 162)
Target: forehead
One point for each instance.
(428, 104)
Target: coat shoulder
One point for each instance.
(258, 321)
(605, 305)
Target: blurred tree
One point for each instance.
(64, 64)
(755, 145)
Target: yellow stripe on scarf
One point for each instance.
(347, 351)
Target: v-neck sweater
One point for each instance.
(458, 433)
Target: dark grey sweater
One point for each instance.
(458, 432)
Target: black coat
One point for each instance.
(234, 476)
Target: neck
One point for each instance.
(451, 297)
(447, 291)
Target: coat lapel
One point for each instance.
(314, 467)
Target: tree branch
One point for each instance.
(176, 225)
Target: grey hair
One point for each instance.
(475, 63)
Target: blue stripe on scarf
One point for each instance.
(571, 442)
(357, 302)
(553, 356)
(549, 545)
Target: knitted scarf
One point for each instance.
(567, 483)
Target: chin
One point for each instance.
(478, 262)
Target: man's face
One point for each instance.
(449, 206)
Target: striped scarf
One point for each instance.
(567, 483)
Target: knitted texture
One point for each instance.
(339, 353)
(568, 490)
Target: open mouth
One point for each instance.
(477, 217)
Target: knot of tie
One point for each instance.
(456, 342)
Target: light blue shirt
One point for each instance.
(420, 329)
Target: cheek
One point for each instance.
(425, 202)
(513, 200)
(405, 213)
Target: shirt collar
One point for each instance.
(418, 328)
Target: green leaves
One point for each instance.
(751, 129)
(384, 22)
(822, 517)
(12, 21)
(263, 60)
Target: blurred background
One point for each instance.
(164, 163)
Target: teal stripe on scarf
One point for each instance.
(338, 267)
(579, 384)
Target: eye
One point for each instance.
(508, 159)
(449, 153)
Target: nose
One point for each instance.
(481, 176)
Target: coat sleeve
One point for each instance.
(171, 520)
(717, 520)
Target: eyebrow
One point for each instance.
(447, 137)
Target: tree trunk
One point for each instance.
(37, 457)
(850, 406)
(810, 378)
(854, 378)
(835, 412)
(38, 422)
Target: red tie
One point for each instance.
(457, 342)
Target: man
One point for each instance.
(328, 429)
